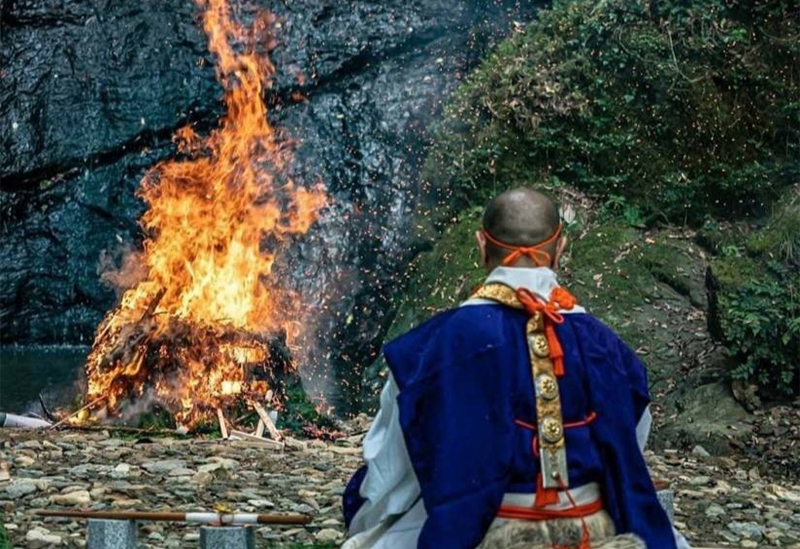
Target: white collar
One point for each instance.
(539, 280)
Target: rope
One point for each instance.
(539, 257)
(576, 511)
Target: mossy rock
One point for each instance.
(637, 282)
(708, 415)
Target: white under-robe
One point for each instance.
(393, 514)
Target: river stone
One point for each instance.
(714, 511)
(327, 534)
(122, 470)
(747, 530)
(41, 537)
(182, 472)
(21, 488)
(78, 497)
(164, 466)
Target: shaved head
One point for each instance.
(520, 217)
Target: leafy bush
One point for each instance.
(673, 109)
(757, 302)
(762, 325)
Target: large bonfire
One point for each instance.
(190, 334)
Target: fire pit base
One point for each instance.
(227, 537)
(112, 534)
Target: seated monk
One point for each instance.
(516, 420)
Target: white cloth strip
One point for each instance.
(539, 280)
(582, 495)
(222, 518)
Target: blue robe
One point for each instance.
(465, 377)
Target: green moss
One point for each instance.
(442, 276)
(731, 273)
(618, 271)
(723, 238)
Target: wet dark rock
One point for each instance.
(91, 93)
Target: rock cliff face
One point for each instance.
(91, 92)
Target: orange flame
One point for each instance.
(215, 223)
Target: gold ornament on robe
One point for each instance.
(552, 446)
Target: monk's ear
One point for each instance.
(479, 236)
(560, 247)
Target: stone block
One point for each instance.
(226, 537)
(112, 534)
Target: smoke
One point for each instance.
(130, 410)
(121, 268)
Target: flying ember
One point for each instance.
(192, 332)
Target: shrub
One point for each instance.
(762, 326)
(677, 109)
(756, 305)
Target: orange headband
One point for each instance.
(539, 257)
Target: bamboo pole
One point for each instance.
(180, 516)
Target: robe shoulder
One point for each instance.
(463, 332)
(451, 336)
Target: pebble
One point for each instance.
(327, 534)
(78, 497)
(20, 488)
(164, 466)
(747, 530)
(41, 537)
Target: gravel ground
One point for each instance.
(720, 501)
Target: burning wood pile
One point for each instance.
(209, 324)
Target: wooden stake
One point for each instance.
(223, 429)
(260, 429)
(252, 439)
(262, 413)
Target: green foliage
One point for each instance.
(762, 325)
(758, 302)
(300, 411)
(669, 110)
(5, 540)
(617, 206)
(780, 239)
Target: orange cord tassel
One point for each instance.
(556, 352)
